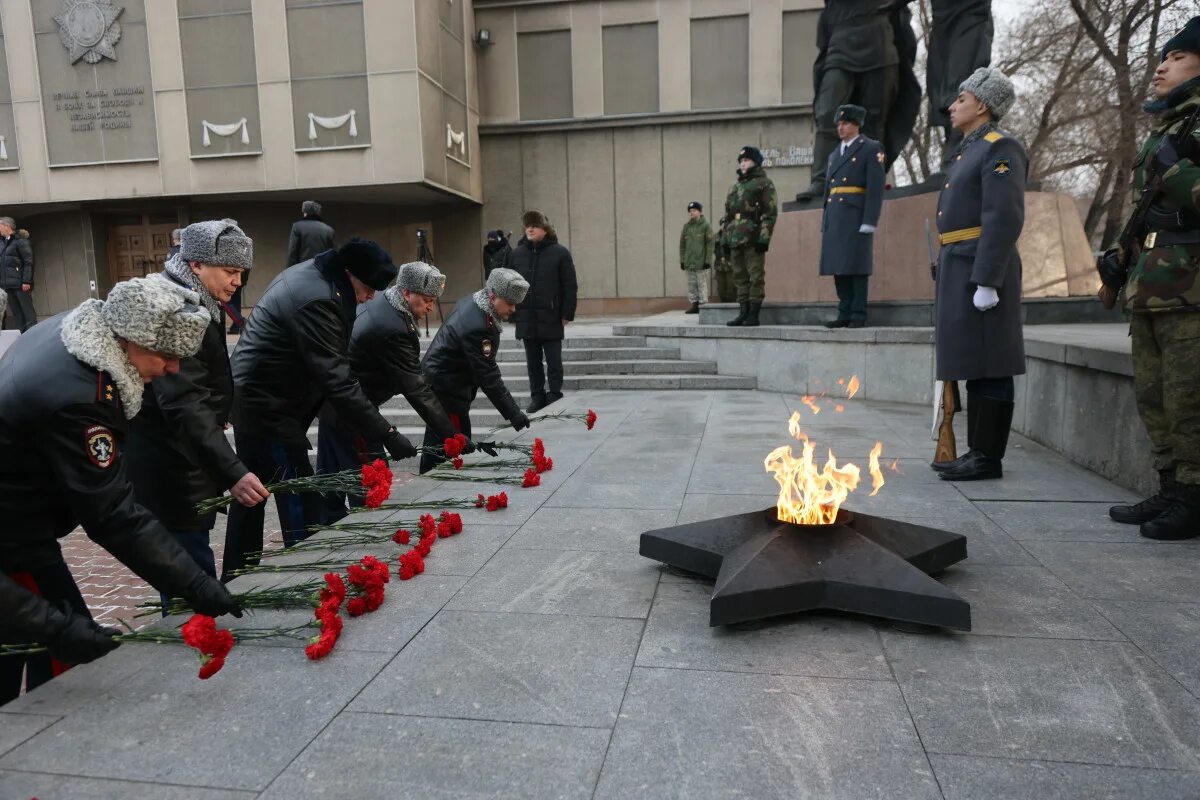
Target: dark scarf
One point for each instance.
(1174, 99)
(975, 135)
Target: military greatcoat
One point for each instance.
(853, 198)
(980, 214)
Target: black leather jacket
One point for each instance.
(63, 436)
(16, 261)
(385, 357)
(178, 453)
(462, 359)
(309, 237)
(293, 356)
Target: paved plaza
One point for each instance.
(540, 656)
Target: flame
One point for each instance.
(812, 496)
(811, 402)
(895, 466)
(852, 387)
(839, 408)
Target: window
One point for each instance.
(544, 75)
(721, 62)
(327, 52)
(219, 77)
(631, 68)
(8, 129)
(799, 34)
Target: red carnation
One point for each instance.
(457, 462)
(454, 520)
(423, 547)
(444, 530)
(374, 598)
(455, 445)
(210, 666)
(198, 631)
(539, 447)
(502, 499)
(319, 647)
(406, 571)
(493, 504)
(532, 478)
(401, 536)
(356, 607)
(591, 419)
(335, 585)
(480, 502)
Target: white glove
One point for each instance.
(865, 228)
(986, 298)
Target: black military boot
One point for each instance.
(695, 309)
(737, 321)
(1181, 520)
(537, 403)
(1152, 506)
(751, 320)
(991, 441)
(972, 422)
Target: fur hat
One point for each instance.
(507, 284)
(751, 152)
(157, 314)
(696, 204)
(310, 207)
(535, 219)
(368, 262)
(217, 241)
(422, 278)
(1187, 39)
(851, 113)
(993, 88)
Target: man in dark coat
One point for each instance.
(178, 452)
(496, 252)
(385, 358)
(980, 214)
(68, 389)
(16, 273)
(292, 358)
(310, 235)
(550, 304)
(853, 201)
(461, 360)
(867, 51)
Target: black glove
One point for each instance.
(1112, 273)
(398, 446)
(81, 640)
(487, 447)
(761, 247)
(209, 596)
(519, 420)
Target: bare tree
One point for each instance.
(922, 156)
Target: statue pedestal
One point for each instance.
(1057, 260)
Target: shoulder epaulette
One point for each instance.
(106, 390)
(993, 136)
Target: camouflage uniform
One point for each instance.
(723, 269)
(1163, 295)
(696, 256)
(750, 212)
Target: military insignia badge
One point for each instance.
(1001, 167)
(100, 446)
(881, 158)
(487, 347)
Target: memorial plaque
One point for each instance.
(94, 65)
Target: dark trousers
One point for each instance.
(20, 305)
(337, 450)
(852, 296)
(55, 584)
(875, 90)
(196, 545)
(459, 413)
(995, 388)
(270, 460)
(535, 349)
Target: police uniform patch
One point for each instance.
(487, 347)
(1001, 167)
(100, 446)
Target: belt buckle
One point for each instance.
(1151, 237)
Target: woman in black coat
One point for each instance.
(548, 307)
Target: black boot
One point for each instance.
(1151, 507)
(737, 321)
(991, 441)
(695, 309)
(837, 323)
(751, 320)
(537, 403)
(1181, 520)
(972, 422)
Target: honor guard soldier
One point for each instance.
(750, 212)
(461, 360)
(178, 452)
(696, 255)
(1161, 249)
(292, 358)
(68, 388)
(385, 358)
(980, 214)
(853, 201)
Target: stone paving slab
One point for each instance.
(541, 656)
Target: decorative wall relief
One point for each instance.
(331, 124)
(456, 139)
(225, 130)
(89, 29)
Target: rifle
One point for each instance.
(945, 396)
(1129, 244)
(929, 246)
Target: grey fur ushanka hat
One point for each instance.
(157, 314)
(217, 241)
(993, 88)
(422, 278)
(507, 284)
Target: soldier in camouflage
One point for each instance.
(722, 269)
(1163, 295)
(696, 255)
(750, 212)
